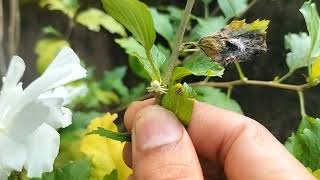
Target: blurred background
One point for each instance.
(278, 110)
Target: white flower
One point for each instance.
(156, 87)
(28, 119)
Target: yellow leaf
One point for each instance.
(105, 154)
(315, 72)
(235, 25)
(46, 50)
(317, 174)
(259, 25)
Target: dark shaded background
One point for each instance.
(278, 110)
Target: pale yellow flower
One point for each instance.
(105, 154)
(315, 71)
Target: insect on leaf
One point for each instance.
(179, 100)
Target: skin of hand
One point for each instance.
(217, 144)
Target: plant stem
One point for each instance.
(206, 79)
(14, 28)
(302, 104)
(3, 64)
(229, 92)
(254, 83)
(206, 10)
(180, 34)
(241, 74)
(286, 76)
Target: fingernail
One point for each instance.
(155, 127)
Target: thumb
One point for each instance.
(161, 147)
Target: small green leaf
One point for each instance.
(305, 144)
(113, 80)
(46, 50)
(163, 25)
(122, 137)
(233, 8)
(112, 176)
(299, 45)
(50, 30)
(216, 97)
(133, 48)
(78, 170)
(68, 7)
(207, 27)
(179, 100)
(175, 12)
(199, 66)
(135, 92)
(312, 19)
(136, 17)
(94, 18)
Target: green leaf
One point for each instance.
(94, 18)
(135, 92)
(175, 12)
(50, 30)
(207, 27)
(163, 25)
(46, 50)
(311, 17)
(112, 176)
(78, 170)
(133, 48)
(113, 80)
(137, 68)
(68, 7)
(179, 100)
(299, 45)
(122, 137)
(199, 66)
(305, 144)
(207, 1)
(136, 17)
(233, 8)
(216, 97)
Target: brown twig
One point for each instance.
(3, 64)
(254, 83)
(14, 28)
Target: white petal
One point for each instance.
(65, 68)
(12, 154)
(14, 74)
(59, 117)
(27, 120)
(42, 149)
(3, 174)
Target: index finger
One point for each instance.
(245, 148)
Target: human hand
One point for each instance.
(217, 144)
